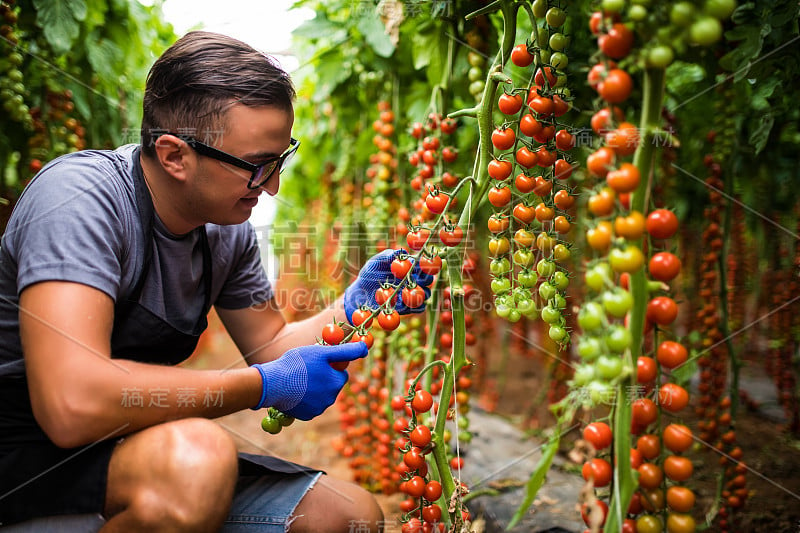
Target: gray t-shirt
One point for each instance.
(78, 221)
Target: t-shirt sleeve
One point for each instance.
(68, 227)
(246, 283)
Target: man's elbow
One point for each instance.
(66, 421)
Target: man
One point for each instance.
(108, 267)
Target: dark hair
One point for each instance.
(190, 87)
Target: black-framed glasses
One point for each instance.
(259, 174)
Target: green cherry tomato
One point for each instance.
(617, 302)
(285, 420)
(547, 291)
(590, 317)
(559, 60)
(514, 316)
(720, 9)
(271, 425)
(559, 302)
(558, 42)
(637, 13)
(629, 259)
(545, 53)
(527, 307)
(660, 56)
(705, 31)
(500, 285)
(475, 74)
(544, 37)
(499, 265)
(598, 276)
(583, 375)
(555, 17)
(613, 6)
(600, 392)
(550, 314)
(682, 14)
(539, 8)
(501, 309)
(523, 257)
(545, 268)
(526, 278)
(560, 280)
(589, 348)
(608, 367)
(557, 333)
(618, 338)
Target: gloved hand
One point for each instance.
(302, 383)
(375, 272)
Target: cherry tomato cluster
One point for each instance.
(476, 57)
(713, 409)
(616, 230)
(365, 421)
(381, 192)
(386, 316)
(55, 130)
(530, 192)
(416, 442)
(13, 93)
(662, 468)
(714, 360)
(437, 188)
(424, 505)
(275, 421)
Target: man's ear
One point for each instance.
(175, 156)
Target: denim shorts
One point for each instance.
(267, 494)
(266, 503)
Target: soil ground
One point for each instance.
(772, 456)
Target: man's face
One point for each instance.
(254, 134)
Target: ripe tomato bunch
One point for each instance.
(424, 505)
(714, 406)
(381, 191)
(385, 316)
(662, 471)
(438, 187)
(366, 426)
(530, 194)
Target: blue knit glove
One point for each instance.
(375, 272)
(302, 383)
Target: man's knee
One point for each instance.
(339, 506)
(181, 473)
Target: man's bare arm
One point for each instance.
(79, 394)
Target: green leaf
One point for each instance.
(682, 375)
(430, 52)
(375, 34)
(104, 56)
(330, 71)
(537, 478)
(749, 46)
(317, 27)
(760, 134)
(424, 44)
(60, 21)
